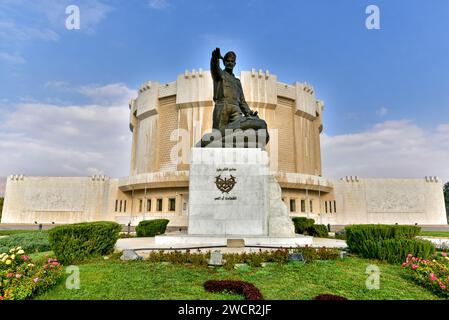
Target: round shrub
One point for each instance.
(151, 228)
(302, 223)
(317, 230)
(75, 242)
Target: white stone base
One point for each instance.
(207, 240)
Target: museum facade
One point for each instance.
(167, 120)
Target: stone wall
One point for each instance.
(390, 201)
(59, 199)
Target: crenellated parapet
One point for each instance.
(194, 89)
(260, 88)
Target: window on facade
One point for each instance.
(311, 206)
(325, 206)
(172, 204)
(116, 205)
(140, 205)
(303, 205)
(184, 206)
(330, 206)
(149, 205)
(159, 204)
(120, 205)
(124, 207)
(292, 205)
(335, 206)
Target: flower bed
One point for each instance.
(20, 279)
(248, 290)
(432, 274)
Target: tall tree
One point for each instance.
(1, 207)
(446, 198)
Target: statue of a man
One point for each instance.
(232, 117)
(229, 100)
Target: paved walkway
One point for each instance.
(141, 244)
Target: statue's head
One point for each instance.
(229, 60)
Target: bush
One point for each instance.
(75, 242)
(28, 241)
(358, 233)
(151, 228)
(248, 290)
(21, 279)
(387, 242)
(395, 250)
(301, 224)
(317, 230)
(340, 234)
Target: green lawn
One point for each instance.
(435, 233)
(114, 279)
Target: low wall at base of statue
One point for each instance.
(390, 201)
(59, 199)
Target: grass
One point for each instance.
(115, 279)
(435, 233)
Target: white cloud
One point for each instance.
(158, 4)
(78, 140)
(388, 149)
(382, 112)
(12, 58)
(116, 92)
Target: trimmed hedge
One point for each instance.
(390, 243)
(358, 233)
(76, 242)
(395, 250)
(151, 228)
(29, 241)
(302, 223)
(318, 230)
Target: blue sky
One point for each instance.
(395, 78)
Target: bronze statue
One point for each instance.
(232, 115)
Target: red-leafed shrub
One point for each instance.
(329, 297)
(248, 290)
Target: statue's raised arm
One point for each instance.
(215, 64)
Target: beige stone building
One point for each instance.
(166, 120)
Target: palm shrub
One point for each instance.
(76, 242)
(151, 228)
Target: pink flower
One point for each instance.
(414, 266)
(9, 275)
(18, 276)
(55, 263)
(442, 286)
(443, 254)
(404, 264)
(433, 277)
(25, 258)
(1, 298)
(36, 279)
(409, 255)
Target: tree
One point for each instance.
(446, 198)
(1, 207)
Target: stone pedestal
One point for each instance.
(233, 195)
(227, 192)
